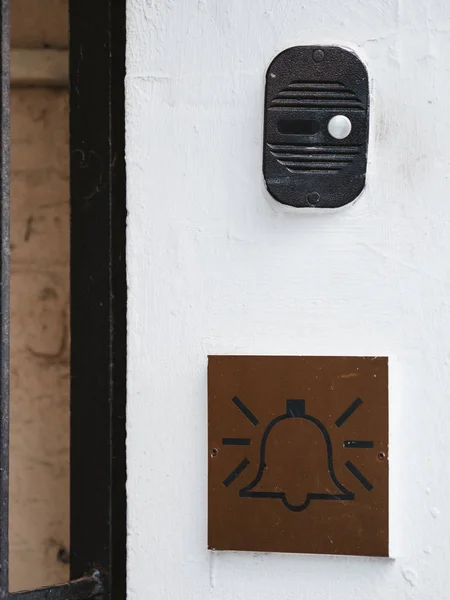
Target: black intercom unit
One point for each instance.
(316, 126)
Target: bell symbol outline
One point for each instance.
(295, 409)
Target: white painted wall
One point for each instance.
(213, 268)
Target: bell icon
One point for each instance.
(296, 462)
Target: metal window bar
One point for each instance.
(98, 304)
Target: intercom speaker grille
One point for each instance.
(310, 94)
(322, 159)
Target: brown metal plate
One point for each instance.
(298, 454)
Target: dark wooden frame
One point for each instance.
(98, 304)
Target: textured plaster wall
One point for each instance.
(214, 267)
(39, 488)
(39, 23)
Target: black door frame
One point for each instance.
(98, 305)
